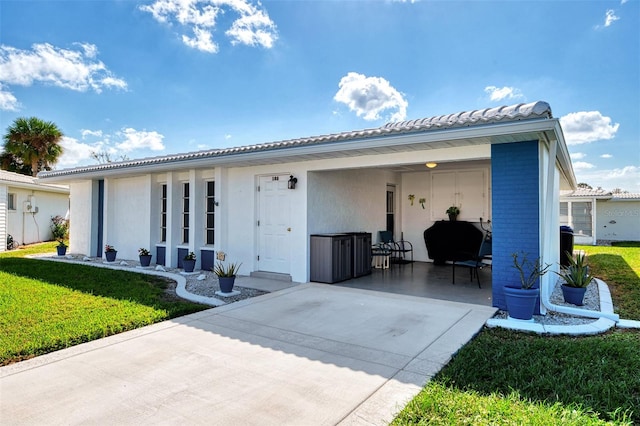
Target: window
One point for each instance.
(11, 201)
(185, 212)
(581, 218)
(163, 215)
(211, 207)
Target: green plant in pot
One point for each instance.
(226, 275)
(521, 301)
(453, 213)
(145, 257)
(60, 231)
(576, 278)
(189, 262)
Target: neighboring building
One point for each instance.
(27, 206)
(506, 164)
(616, 216)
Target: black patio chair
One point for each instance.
(399, 249)
(475, 262)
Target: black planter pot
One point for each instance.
(453, 217)
(226, 284)
(521, 303)
(574, 295)
(188, 265)
(110, 255)
(145, 260)
(62, 250)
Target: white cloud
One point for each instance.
(582, 165)
(498, 94)
(75, 152)
(134, 139)
(96, 133)
(369, 96)
(606, 156)
(578, 155)
(8, 102)
(253, 27)
(71, 69)
(587, 126)
(627, 178)
(610, 17)
(201, 41)
(227, 136)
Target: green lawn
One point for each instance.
(46, 306)
(508, 378)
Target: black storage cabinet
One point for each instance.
(361, 252)
(566, 245)
(331, 257)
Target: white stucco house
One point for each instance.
(27, 206)
(504, 164)
(597, 215)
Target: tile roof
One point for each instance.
(513, 113)
(600, 193)
(19, 179)
(16, 177)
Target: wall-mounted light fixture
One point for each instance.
(292, 182)
(431, 165)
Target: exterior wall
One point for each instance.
(81, 213)
(32, 227)
(3, 217)
(618, 220)
(127, 219)
(349, 201)
(516, 211)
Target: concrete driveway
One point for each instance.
(309, 355)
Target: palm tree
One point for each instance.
(33, 142)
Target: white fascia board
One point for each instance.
(36, 187)
(479, 132)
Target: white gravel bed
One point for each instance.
(591, 302)
(206, 284)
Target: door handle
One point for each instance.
(288, 229)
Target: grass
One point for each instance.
(504, 377)
(46, 306)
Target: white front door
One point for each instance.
(274, 224)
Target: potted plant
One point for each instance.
(453, 213)
(145, 257)
(576, 278)
(226, 275)
(60, 231)
(189, 262)
(110, 253)
(521, 300)
(61, 248)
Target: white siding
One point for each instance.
(618, 220)
(3, 217)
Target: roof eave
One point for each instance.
(478, 134)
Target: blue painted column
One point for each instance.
(515, 186)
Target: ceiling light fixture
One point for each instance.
(431, 165)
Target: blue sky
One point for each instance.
(148, 78)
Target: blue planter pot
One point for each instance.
(145, 260)
(574, 295)
(521, 303)
(188, 265)
(62, 250)
(226, 284)
(110, 255)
